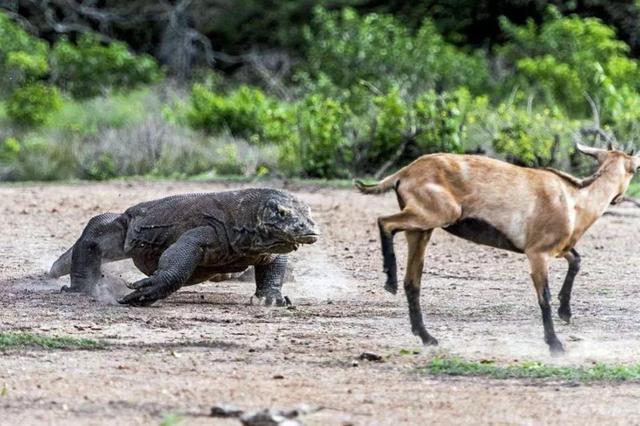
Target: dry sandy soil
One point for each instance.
(205, 345)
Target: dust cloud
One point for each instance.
(316, 276)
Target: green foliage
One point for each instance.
(376, 48)
(245, 112)
(567, 57)
(90, 67)
(35, 158)
(9, 150)
(22, 56)
(10, 339)
(171, 419)
(621, 111)
(532, 370)
(527, 137)
(89, 116)
(441, 120)
(324, 148)
(33, 103)
(385, 127)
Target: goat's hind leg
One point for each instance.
(417, 242)
(539, 274)
(390, 267)
(564, 311)
(102, 240)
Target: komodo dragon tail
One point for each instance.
(384, 185)
(62, 266)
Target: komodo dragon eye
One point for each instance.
(284, 212)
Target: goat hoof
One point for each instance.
(429, 340)
(556, 348)
(391, 287)
(565, 315)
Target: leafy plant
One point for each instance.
(33, 103)
(377, 48)
(324, 147)
(90, 67)
(23, 57)
(565, 58)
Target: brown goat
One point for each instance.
(539, 212)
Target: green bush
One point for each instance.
(245, 112)
(115, 111)
(378, 49)
(441, 120)
(324, 148)
(565, 58)
(35, 158)
(530, 138)
(33, 103)
(90, 67)
(22, 56)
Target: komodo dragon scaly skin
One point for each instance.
(188, 239)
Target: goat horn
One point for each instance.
(594, 152)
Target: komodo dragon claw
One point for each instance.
(268, 300)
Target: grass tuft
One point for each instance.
(171, 419)
(21, 339)
(532, 370)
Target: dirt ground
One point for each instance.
(206, 345)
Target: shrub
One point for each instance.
(245, 112)
(324, 148)
(566, 57)
(377, 48)
(35, 158)
(90, 67)
(33, 103)
(22, 56)
(378, 132)
(115, 110)
(441, 120)
(530, 138)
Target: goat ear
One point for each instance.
(587, 150)
(610, 146)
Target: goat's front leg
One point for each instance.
(539, 274)
(417, 241)
(564, 311)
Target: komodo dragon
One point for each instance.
(188, 239)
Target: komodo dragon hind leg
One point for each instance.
(269, 279)
(101, 240)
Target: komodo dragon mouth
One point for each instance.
(307, 238)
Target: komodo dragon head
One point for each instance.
(285, 222)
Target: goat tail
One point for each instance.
(384, 185)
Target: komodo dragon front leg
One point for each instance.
(269, 279)
(175, 267)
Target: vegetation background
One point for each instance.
(97, 89)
